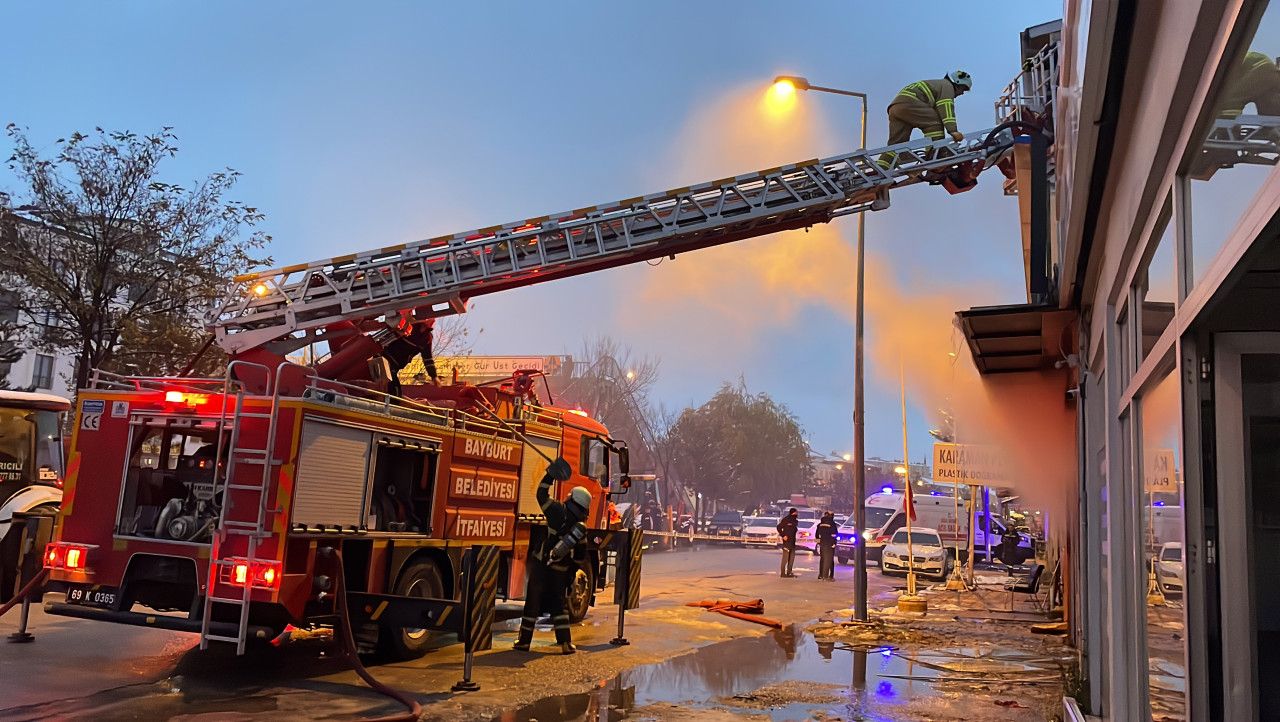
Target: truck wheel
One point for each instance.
(580, 592)
(843, 560)
(421, 579)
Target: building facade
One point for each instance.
(26, 367)
(1160, 264)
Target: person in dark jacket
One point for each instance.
(787, 527)
(550, 561)
(826, 534)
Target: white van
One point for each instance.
(884, 516)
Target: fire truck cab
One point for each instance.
(207, 505)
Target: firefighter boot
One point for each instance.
(561, 622)
(526, 634)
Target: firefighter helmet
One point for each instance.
(961, 79)
(581, 497)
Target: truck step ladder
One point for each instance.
(437, 276)
(232, 523)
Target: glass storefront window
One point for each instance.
(1157, 292)
(1230, 169)
(1161, 541)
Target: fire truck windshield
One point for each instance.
(30, 441)
(169, 483)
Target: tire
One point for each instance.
(843, 560)
(581, 590)
(420, 579)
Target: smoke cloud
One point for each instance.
(754, 287)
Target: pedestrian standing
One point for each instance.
(826, 534)
(787, 527)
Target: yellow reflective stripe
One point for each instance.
(948, 109)
(935, 135)
(925, 87)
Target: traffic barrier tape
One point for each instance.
(711, 537)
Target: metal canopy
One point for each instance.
(1021, 337)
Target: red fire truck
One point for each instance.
(217, 503)
(206, 501)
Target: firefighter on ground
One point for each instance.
(929, 105)
(1255, 80)
(787, 528)
(550, 562)
(826, 535)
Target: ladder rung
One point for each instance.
(254, 416)
(249, 532)
(255, 452)
(227, 600)
(222, 638)
(241, 524)
(245, 487)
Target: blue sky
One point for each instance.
(402, 121)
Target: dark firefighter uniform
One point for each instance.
(550, 562)
(929, 105)
(1255, 80)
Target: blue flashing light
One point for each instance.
(886, 489)
(1159, 503)
(886, 652)
(935, 493)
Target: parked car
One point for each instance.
(928, 556)
(806, 535)
(761, 530)
(1169, 568)
(844, 541)
(726, 524)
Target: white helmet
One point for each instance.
(581, 497)
(961, 78)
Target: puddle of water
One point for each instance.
(866, 683)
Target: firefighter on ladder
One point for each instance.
(550, 563)
(929, 105)
(1255, 80)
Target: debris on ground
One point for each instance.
(747, 610)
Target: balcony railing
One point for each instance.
(1030, 96)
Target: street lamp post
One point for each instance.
(859, 455)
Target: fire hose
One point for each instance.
(22, 594)
(348, 645)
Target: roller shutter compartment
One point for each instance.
(333, 470)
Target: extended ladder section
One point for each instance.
(438, 275)
(1251, 139)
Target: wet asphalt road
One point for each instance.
(79, 669)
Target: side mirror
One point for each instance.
(624, 467)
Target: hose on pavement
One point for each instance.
(35, 582)
(348, 643)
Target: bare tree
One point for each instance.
(613, 384)
(121, 262)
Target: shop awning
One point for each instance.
(1022, 337)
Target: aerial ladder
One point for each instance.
(283, 309)
(1243, 140)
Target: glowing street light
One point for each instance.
(847, 457)
(782, 94)
(631, 375)
(900, 470)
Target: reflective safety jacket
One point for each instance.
(1255, 80)
(938, 94)
(561, 524)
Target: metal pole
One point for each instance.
(906, 499)
(859, 456)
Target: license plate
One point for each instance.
(88, 596)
